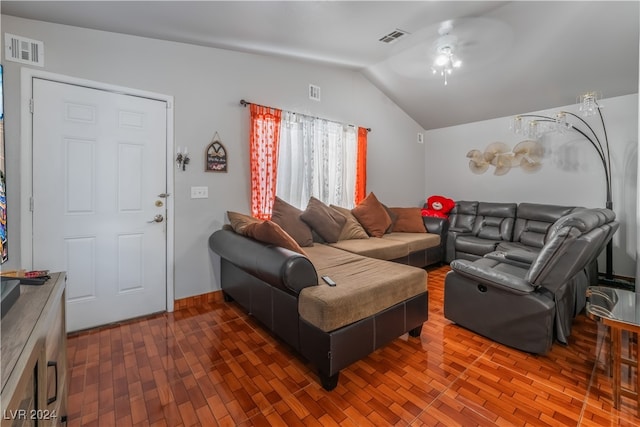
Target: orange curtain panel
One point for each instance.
(361, 166)
(263, 151)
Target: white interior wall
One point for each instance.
(571, 174)
(207, 85)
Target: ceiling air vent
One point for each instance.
(23, 50)
(393, 36)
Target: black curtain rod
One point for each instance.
(245, 103)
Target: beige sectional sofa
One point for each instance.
(380, 292)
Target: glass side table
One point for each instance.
(620, 311)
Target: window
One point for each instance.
(316, 158)
(297, 156)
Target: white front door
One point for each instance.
(99, 174)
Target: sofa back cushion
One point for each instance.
(288, 218)
(352, 228)
(271, 233)
(324, 220)
(372, 215)
(463, 216)
(534, 221)
(240, 221)
(495, 221)
(409, 220)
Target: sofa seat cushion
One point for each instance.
(375, 247)
(364, 287)
(415, 241)
(475, 245)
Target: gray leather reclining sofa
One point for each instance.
(478, 228)
(523, 297)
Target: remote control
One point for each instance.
(328, 281)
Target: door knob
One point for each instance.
(157, 218)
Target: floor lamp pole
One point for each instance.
(609, 251)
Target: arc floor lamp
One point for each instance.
(534, 125)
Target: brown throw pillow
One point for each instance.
(240, 221)
(352, 228)
(394, 218)
(272, 233)
(372, 215)
(409, 220)
(288, 218)
(325, 221)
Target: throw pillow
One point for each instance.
(393, 216)
(352, 228)
(372, 215)
(325, 221)
(272, 233)
(288, 218)
(240, 221)
(409, 220)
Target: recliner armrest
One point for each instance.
(492, 277)
(436, 225)
(520, 255)
(458, 230)
(450, 246)
(517, 257)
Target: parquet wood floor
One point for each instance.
(214, 365)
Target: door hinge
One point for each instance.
(31, 105)
(30, 204)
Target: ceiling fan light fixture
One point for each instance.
(446, 61)
(441, 60)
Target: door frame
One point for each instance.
(26, 163)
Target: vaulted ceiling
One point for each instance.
(517, 56)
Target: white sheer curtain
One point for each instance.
(316, 158)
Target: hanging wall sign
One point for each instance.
(215, 156)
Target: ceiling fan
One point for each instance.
(474, 41)
(445, 46)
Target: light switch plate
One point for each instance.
(199, 192)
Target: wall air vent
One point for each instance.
(393, 36)
(23, 50)
(314, 92)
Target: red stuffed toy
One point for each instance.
(438, 206)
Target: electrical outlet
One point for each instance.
(420, 138)
(199, 192)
